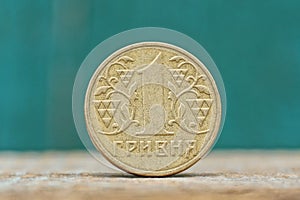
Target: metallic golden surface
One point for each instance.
(152, 109)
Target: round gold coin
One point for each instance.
(152, 109)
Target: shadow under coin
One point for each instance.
(124, 175)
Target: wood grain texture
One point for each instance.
(222, 175)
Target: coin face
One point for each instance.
(152, 109)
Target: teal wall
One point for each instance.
(256, 45)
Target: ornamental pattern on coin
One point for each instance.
(152, 109)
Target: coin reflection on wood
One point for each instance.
(152, 109)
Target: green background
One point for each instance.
(255, 44)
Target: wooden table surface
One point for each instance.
(222, 175)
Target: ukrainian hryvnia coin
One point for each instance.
(152, 109)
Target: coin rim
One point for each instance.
(208, 143)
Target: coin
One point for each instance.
(152, 109)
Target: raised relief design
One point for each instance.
(180, 99)
(106, 110)
(125, 76)
(178, 75)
